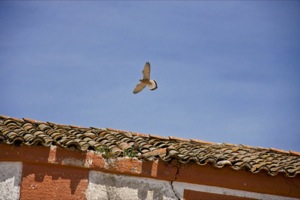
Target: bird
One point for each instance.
(145, 81)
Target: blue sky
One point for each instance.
(227, 71)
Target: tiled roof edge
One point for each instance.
(120, 143)
(275, 150)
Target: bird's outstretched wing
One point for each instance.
(146, 71)
(139, 87)
(152, 85)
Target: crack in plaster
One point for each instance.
(171, 182)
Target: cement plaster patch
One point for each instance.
(110, 186)
(10, 180)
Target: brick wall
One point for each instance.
(54, 173)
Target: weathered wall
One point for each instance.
(10, 180)
(54, 173)
(110, 186)
(53, 182)
(33, 181)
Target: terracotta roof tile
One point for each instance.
(112, 142)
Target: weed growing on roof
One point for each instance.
(100, 149)
(106, 152)
(130, 152)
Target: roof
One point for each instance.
(116, 143)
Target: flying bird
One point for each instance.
(145, 81)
